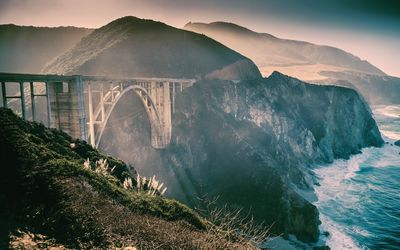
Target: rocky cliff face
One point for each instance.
(251, 143)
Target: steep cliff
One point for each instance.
(251, 144)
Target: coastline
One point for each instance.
(341, 174)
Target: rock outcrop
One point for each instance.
(252, 144)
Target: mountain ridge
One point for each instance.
(309, 62)
(149, 48)
(233, 30)
(26, 49)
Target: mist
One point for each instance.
(364, 28)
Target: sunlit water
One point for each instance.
(359, 198)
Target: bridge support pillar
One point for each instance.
(166, 116)
(67, 104)
(160, 131)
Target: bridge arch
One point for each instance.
(71, 109)
(150, 106)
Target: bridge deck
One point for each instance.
(66, 99)
(17, 77)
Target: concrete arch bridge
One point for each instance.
(81, 105)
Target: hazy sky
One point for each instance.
(369, 29)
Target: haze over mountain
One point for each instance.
(271, 53)
(306, 61)
(27, 49)
(131, 46)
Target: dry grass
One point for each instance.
(23, 239)
(120, 227)
(233, 225)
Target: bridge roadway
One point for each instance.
(81, 105)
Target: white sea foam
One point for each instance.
(340, 191)
(337, 238)
(333, 186)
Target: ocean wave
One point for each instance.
(337, 238)
(345, 190)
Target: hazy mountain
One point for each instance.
(268, 51)
(26, 49)
(306, 61)
(252, 144)
(375, 88)
(131, 46)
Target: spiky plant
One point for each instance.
(102, 167)
(86, 164)
(151, 186)
(127, 183)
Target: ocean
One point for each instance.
(359, 198)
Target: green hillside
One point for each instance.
(47, 190)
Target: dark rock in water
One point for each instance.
(321, 248)
(326, 233)
(250, 144)
(397, 143)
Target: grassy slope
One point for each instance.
(45, 189)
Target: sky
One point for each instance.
(369, 29)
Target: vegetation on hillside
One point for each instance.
(48, 187)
